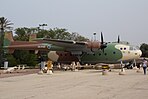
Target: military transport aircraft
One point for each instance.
(67, 51)
(91, 52)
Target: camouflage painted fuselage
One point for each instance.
(113, 53)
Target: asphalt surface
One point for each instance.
(18, 73)
(83, 84)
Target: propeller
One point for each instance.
(118, 39)
(103, 44)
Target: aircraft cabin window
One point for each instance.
(137, 47)
(114, 52)
(134, 48)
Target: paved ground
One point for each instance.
(84, 84)
(18, 73)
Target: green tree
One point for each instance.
(22, 34)
(42, 33)
(77, 37)
(11, 60)
(60, 33)
(25, 57)
(54, 33)
(5, 25)
(144, 49)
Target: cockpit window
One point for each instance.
(131, 48)
(134, 48)
(137, 47)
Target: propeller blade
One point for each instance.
(103, 45)
(102, 41)
(118, 39)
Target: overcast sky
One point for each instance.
(127, 18)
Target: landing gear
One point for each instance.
(122, 71)
(131, 64)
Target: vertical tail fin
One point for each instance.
(8, 38)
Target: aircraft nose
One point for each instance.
(140, 52)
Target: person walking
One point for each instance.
(144, 66)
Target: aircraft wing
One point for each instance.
(68, 44)
(37, 46)
(75, 47)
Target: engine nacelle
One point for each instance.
(94, 45)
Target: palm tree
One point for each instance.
(4, 26)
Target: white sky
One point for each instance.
(127, 18)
